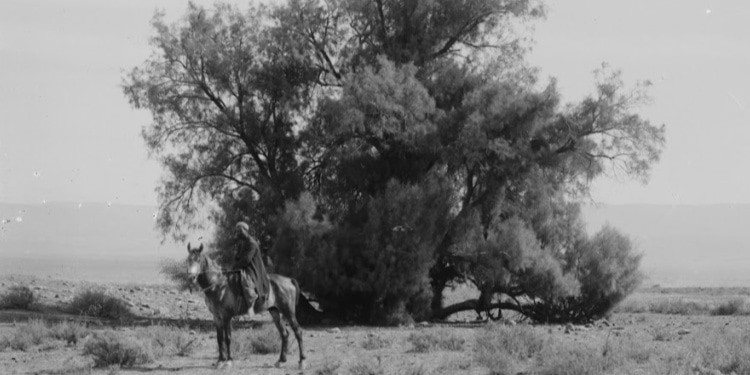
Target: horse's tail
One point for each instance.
(308, 314)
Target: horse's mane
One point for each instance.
(209, 263)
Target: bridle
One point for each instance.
(204, 265)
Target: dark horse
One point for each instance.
(224, 299)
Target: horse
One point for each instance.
(223, 295)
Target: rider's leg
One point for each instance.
(248, 291)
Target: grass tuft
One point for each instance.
(367, 367)
(564, 360)
(500, 347)
(425, 342)
(374, 342)
(330, 367)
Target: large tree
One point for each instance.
(428, 151)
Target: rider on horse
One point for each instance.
(254, 279)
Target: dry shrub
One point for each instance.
(733, 307)
(96, 303)
(18, 297)
(33, 333)
(110, 348)
(40, 333)
(425, 342)
(168, 340)
(265, 340)
(70, 332)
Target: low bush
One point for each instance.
(264, 340)
(70, 332)
(168, 340)
(733, 307)
(96, 303)
(27, 335)
(18, 297)
(39, 333)
(112, 349)
(425, 342)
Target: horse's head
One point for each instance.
(194, 262)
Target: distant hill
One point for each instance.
(94, 241)
(685, 245)
(682, 245)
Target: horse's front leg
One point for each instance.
(228, 341)
(220, 343)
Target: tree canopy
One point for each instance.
(386, 150)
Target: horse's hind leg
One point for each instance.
(291, 317)
(283, 333)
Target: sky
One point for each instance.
(67, 133)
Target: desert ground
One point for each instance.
(654, 331)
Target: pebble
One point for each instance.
(334, 330)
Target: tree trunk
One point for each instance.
(470, 305)
(437, 295)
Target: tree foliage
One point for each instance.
(385, 150)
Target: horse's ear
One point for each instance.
(200, 248)
(188, 247)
